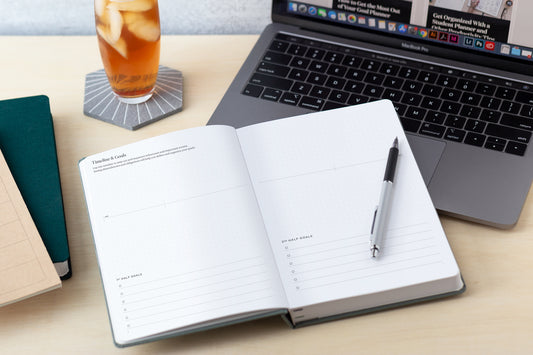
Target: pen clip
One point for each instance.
(374, 221)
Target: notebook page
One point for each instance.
(317, 179)
(178, 233)
(25, 266)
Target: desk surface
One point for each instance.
(495, 315)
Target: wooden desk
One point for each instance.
(495, 315)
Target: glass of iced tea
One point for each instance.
(129, 35)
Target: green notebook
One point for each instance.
(28, 143)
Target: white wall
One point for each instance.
(76, 17)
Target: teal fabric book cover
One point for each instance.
(28, 143)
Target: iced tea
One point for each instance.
(128, 34)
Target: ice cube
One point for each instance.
(115, 25)
(119, 45)
(131, 5)
(99, 7)
(142, 27)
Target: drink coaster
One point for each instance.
(101, 103)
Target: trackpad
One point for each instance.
(427, 153)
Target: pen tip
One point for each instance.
(395, 143)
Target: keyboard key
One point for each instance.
(279, 46)
(375, 79)
(354, 86)
(389, 69)
(333, 57)
(470, 99)
(352, 61)
(451, 107)
(428, 77)
(410, 125)
(411, 99)
(252, 90)
(337, 70)
(490, 116)
(317, 79)
(297, 49)
(400, 108)
(505, 93)
(450, 94)
(300, 62)
(319, 91)
(431, 90)
(374, 91)
(298, 74)
(393, 83)
(496, 143)
(271, 81)
(371, 65)
(430, 103)
(271, 94)
(416, 113)
(485, 89)
(470, 111)
(524, 97)
(475, 126)
(454, 134)
(517, 121)
(494, 146)
(278, 58)
(455, 121)
(446, 81)
(408, 73)
(319, 67)
(273, 69)
(527, 111)
(311, 103)
(476, 139)
(290, 98)
(335, 83)
(357, 99)
(435, 117)
(339, 96)
(510, 107)
(491, 103)
(466, 85)
(301, 88)
(315, 53)
(355, 74)
(412, 86)
(497, 140)
(516, 148)
(510, 133)
(393, 95)
(433, 130)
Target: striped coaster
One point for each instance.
(102, 104)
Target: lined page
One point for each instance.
(317, 179)
(178, 233)
(25, 266)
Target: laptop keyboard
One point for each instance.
(431, 100)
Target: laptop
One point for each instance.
(459, 73)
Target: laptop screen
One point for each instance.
(498, 29)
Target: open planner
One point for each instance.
(214, 225)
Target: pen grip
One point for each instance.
(391, 164)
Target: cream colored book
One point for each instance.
(214, 225)
(25, 266)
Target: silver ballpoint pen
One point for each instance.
(381, 212)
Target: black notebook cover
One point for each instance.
(28, 143)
